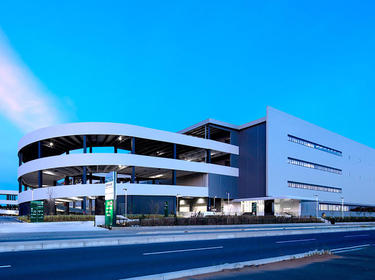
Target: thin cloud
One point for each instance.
(22, 98)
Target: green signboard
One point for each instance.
(110, 199)
(36, 211)
(109, 217)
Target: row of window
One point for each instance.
(313, 187)
(332, 207)
(314, 165)
(313, 145)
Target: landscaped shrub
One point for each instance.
(68, 218)
(351, 219)
(221, 220)
(61, 218)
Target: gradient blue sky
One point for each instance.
(169, 64)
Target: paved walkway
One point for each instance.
(11, 226)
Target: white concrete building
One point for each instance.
(277, 165)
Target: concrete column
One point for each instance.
(20, 185)
(84, 175)
(208, 156)
(174, 171)
(20, 158)
(90, 206)
(115, 149)
(40, 174)
(132, 144)
(208, 204)
(207, 134)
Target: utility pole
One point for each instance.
(126, 202)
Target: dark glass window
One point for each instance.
(313, 145)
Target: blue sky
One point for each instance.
(169, 64)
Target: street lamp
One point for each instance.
(126, 201)
(342, 207)
(317, 205)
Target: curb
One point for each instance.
(217, 268)
(100, 242)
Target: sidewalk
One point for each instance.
(48, 227)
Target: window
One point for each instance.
(332, 207)
(313, 187)
(313, 145)
(314, 165)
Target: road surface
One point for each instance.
(119, 262)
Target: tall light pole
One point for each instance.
(342, 207)
(126, 202)
(317, 205)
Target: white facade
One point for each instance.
(357, 162)
(303, 162)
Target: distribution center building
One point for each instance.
(276, 165)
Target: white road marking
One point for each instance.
(348, 249)
(183, 250)
(5, 266)
(297, 240)
(357, 235)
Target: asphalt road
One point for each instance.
(118, 262)
(358, 265)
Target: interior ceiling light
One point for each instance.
(49, 173)
(120, 138)
(62, 200)
(75, 198)
(156, 176)
(51, 144)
